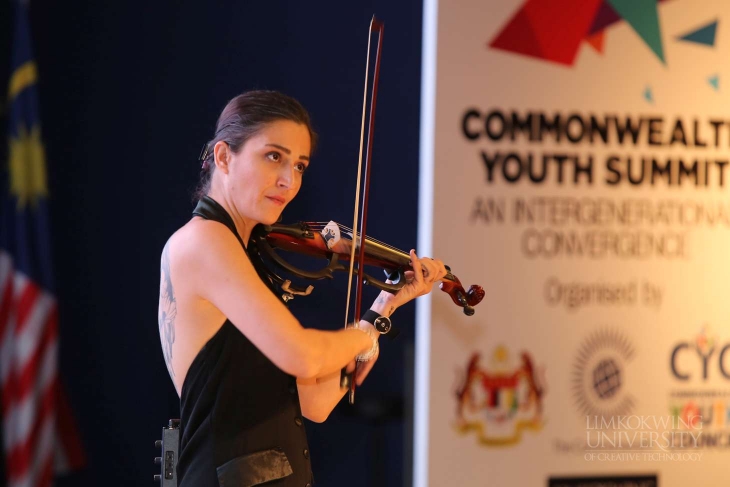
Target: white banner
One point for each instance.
(575, 156)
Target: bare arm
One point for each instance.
(319, 396)
(221, 273)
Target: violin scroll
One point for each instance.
(466, 299)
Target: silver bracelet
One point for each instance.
(372, 333)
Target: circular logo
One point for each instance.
(599, 374)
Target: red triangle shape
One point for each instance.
(597, 40)
(517, 36)
(561, 26)
(548, 29)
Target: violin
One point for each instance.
(339, 244)
(333, 242)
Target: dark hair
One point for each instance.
(242, 118)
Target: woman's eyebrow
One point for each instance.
(288, 152)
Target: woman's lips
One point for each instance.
(277, 199)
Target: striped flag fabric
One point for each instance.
(33, 410)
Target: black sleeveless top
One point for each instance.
(241, 422)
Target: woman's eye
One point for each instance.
(273, 156)
(301, 167)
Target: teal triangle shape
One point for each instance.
(714, 82)
(648, 95)
(704, 35)
(643, 17)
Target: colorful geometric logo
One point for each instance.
(553, 30)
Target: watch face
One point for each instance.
(382, 324)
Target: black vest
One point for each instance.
(241, 422)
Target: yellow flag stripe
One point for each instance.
(23, 77)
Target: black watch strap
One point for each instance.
(370, 316)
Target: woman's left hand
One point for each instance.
(426, 272)
(364, 368)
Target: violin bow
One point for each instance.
(376, 26)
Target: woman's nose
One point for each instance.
(286, 177)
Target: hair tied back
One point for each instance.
(204, 156)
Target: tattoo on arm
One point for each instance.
(167, 310)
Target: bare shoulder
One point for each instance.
(199, 234)
(202, 241)
(203, 252)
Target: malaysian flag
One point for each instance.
(34, 413)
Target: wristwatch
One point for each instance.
(381, 323)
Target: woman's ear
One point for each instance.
(222, 156)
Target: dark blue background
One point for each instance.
(129, 92)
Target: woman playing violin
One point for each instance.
(245, 369)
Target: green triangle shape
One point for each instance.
(648, 96)
(643, 17)
(704, 35)
(714, 82)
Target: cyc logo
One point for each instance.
(704, 349)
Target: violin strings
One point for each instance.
(321, 225)
(379, 242)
